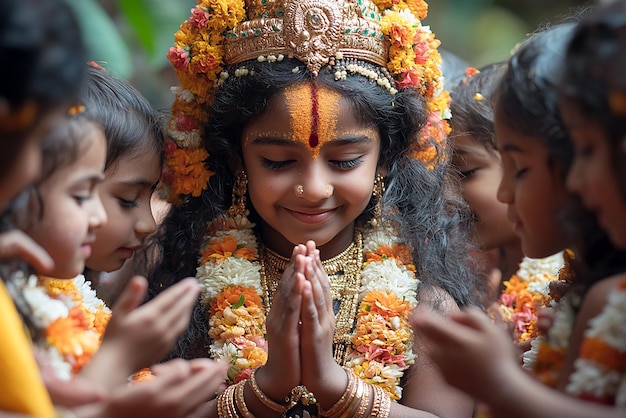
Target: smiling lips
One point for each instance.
(310, 217)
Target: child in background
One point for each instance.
(518, 290)
(62, 214)
(133, 166)
(41, 65)
(479, 165)
(469, 341)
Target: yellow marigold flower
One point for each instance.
(419, 8)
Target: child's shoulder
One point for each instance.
(598, 295)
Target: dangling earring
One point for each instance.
(377, 193)
(238, 204)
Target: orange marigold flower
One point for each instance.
(386, 304)
(400, 252)
(232, 295)
(228, 246)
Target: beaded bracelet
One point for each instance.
(262, 397)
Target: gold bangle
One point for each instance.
(356, 400)
(365, 402)
(226, 404)
(346, 399)
(262, 397)
(240, 400)
(382, 403)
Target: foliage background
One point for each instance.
(131, 37)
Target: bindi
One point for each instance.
(313, 114)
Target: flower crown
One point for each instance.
(385, 33)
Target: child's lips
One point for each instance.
(312, 217)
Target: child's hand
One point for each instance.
(139, 336)
(472, 353)
(281, 373)
(319, 369)
(178, 388)
(16, 244)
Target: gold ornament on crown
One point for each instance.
(381, 40)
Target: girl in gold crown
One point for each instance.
(306, 166)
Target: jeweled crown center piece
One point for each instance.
(313, 31)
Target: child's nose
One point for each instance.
(97, 215)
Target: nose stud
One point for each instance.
(299, 190)
(328, 191)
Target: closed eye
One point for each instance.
(347, 165)
(276, 165)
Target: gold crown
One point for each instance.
(312, 31)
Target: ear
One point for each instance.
(382, 169)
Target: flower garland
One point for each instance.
(229, 275)
(73, 319)
(601, 364)
(526, 292)
(198, 58)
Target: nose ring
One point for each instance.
(299, 190)
(328, 191)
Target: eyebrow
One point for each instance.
(137, 181)
(347, 140)
(511, 148)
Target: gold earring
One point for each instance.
(240, 188)
(377, 193)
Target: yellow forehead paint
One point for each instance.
(313, 113)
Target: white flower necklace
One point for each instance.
(230, 277)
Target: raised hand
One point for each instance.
(16, 244)
(320, 373)
(139, 336)
(472, 353)
(282, 371)
(178, 389)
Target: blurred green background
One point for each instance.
(131, 37)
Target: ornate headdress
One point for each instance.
(382, 40)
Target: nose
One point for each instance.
(97, 214)
(145, 224)
(316, 182)
(505, 190)
(573, 182)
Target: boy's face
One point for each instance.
(72, 210)
(481, 171)
(532, 191)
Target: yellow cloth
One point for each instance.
(21, 387)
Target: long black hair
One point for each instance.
(427, 212)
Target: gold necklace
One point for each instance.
(344, 274)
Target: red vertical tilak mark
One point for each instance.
(314, 138)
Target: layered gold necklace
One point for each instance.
(344, 274)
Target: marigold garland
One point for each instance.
(197, 56)
(229, 275)
(73, 319)
(526, 292)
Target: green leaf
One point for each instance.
(240, 302)
(103, 41)
(154, 23)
